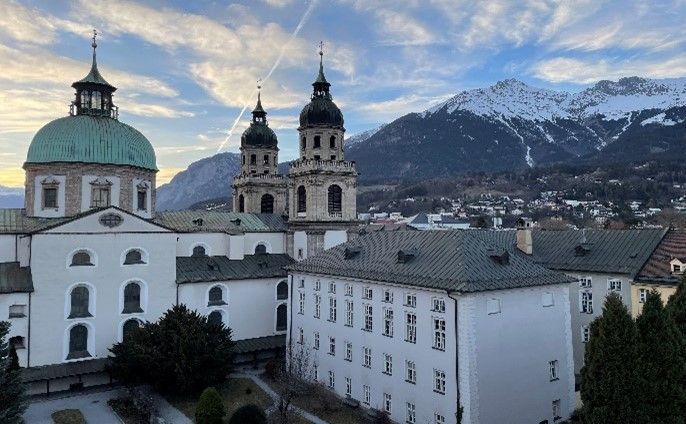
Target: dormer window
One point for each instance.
(677, 266)
(50, 188)
(101, 189)
(142, 196)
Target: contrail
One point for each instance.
(302, 22)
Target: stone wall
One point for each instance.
(324, 152)
(254, 187)
(260, 167)
(74, 172)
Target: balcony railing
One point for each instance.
(320, 164)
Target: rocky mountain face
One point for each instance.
(208, 178)
(509, 125)
(512, 125)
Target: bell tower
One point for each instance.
(322, 185)
(259, 188)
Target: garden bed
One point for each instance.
(68, 416)
(126, 411)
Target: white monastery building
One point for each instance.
(417, 323)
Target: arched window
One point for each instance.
(81, 258)
(282, 290)
(241, 203)
(335, 198)
(215, 317)
(132, 299)
(265, 160)
(332, 142)
(317, 142)
(281, 318)
(199, 251)
(243, 159)
(302, 199)
(267, 204)
(133, 257)
(260, 249)
(79, 303)
(129, 328)
(303, 143)
(253, 159)
(78, 342)
(216, 296)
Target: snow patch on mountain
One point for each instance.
(660, 119)
(360, 137)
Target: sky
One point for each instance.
(186, 70)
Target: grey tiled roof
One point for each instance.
(606, 251)
(657, 269)
(259, 344)
(197, 269)
(461, 261)
(51, 372)
(15, 279)
(15, 221)
(227, 222)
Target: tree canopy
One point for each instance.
(12, 396)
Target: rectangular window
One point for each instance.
(586, 302)
(332, 288)
(387, 406)
(367, 357)
(366, 395)
(17, 311)
(614, 285)
(301, 336)
(301, 303)
(100, 197)
(301, 283)
(367, 293)
(553, 370)
(492, 306)
(585, 334)
(317, 305)
(348, 387)
(316, 372)
(368, 322)
(316, 340)
(410, 414)
(411, 327)
(585, 282)
(332, 309)
(349, 313)
(557, 411)
(332, 380)
(348, 289)
(438, 304)
(50, 197)
(410, 372)
(438, 418)
(387, 296)
(348, 351)
(388, 322)
(642, 295)
(547, 300)
(439, 381)
(411, 300)
(332, 346)
(439, 334)
(142, 200)
(387, 364)
(317, 285)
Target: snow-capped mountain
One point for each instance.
(511, 125)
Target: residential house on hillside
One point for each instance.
(415, 323)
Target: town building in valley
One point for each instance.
(418, 323)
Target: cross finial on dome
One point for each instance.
(258, 113)
(94, 44)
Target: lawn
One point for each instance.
(235, 392)
(68, 416)
(341, 414)
(128, 413)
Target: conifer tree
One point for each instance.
(12, 398)
(609, 386)
(210, 409)
(661, 364)
(676, 307)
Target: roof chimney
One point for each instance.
(524, 239)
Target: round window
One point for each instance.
(111, 220)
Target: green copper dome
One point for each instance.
(91, 139)
(321, 110)
(258, 134)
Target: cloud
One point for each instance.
(278, 3)
(586, 71)
(32, 26)
(400, 29)
(399, 106)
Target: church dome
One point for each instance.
(321, 110)
(258, 134)
(91, 139)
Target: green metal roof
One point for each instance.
(260, 344)
(15, 221)
(91, 139)
(190, 221)
(94, 77)
(198, 269)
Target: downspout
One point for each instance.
(457, 360)
(28, 335)
(290, 312)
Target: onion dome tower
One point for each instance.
(322, 185)
(89, 159)
(259, 188)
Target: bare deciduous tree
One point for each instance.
(293, 377)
